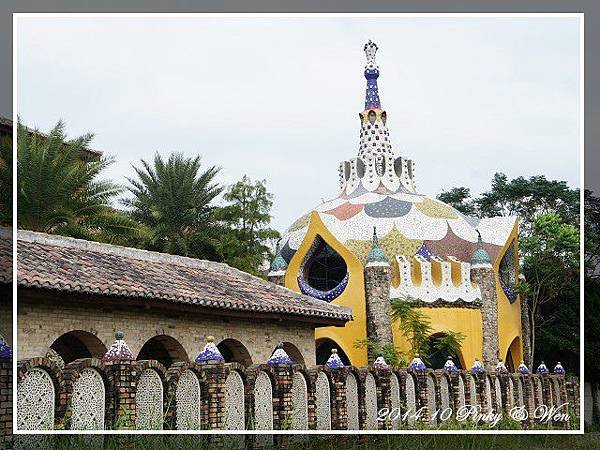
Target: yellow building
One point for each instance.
(459, 270)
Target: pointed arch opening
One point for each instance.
(511, 361)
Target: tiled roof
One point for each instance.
(77, 266)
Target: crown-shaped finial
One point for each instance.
(370, 50)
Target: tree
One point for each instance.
(246, 235)
(6, 180)
(460, 199)
(173, 200)
(551, 262)
(59, 192)
(531, 199)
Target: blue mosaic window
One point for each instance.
(507, 272)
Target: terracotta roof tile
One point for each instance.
(73, 265)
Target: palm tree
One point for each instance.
(59, 191)
(173, 200)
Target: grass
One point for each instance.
(588, 441)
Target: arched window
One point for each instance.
(324, 274)
(164, 349)
(77, 344)
(234, 351)
(507, 272)
(323, 351)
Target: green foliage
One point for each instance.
(6, 180)
(548, 212)
(459, 198)
(245, 237)
(60, 192)
(172, 199)
(417, 329)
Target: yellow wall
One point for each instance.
(464, 320)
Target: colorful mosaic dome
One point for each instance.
(377, 190)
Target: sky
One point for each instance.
(278, 98)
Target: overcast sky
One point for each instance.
(278, 98)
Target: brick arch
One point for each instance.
(235, 352)
(71, 374)
(164, 349)
(78, 344)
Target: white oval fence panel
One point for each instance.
(149, 401)
(88, 401)
(431, 400)
(35, 401)
(299, 402)
(411, 400)
(352, 401)
(263, 402)
(235, 417)
(323, 405)
(396, 412)
(445, 411)
(187, 398)
(371, 402)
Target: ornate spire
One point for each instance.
(279, 356)
(118, 351)
(5, 350)
(559, 369)
(210, 352)
(334, 361)
(522, 369)
(371, 74)
(417, 364)
(477, 367)
(500, 367)
(376, 255)
(480, 257)
(449, 366)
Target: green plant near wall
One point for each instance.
(417, 329)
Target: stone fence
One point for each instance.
(121, 393)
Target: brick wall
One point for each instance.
(40, 323)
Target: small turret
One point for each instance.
(376, 257)
(278, 267)
(480, 257)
